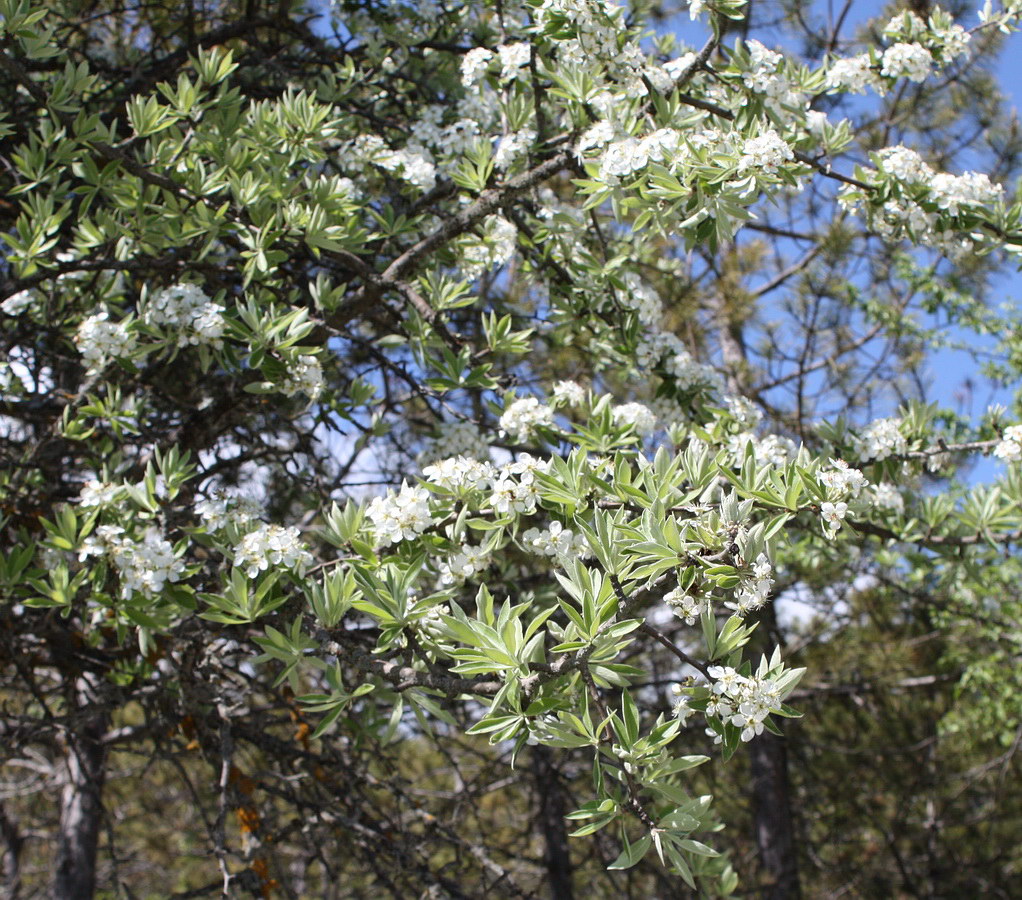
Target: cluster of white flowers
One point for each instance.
(904, 164)
(143, 566)
(911, 61)
(494, 247)
(638, 415)
(271, 545)
(886, 496)
(412, 163)
(458, 438)
(99, 340)
(223, 509)
(465, 563)
(687, 606)
(569, 393)
(523, 416)
(304, 376)
(754, 589)
(513, 58)
(515, 488)
(761, 76)
(774, 449)
(186, 309)
(765, 153)
(880, 440)
(95, 493)
(622, 158)
(833, 515)
(512, 147)
(460, 474)
(742, 701)
(17, 303)
(843, 480)
(474, 65)
(556, 541)
(940, 35)
(1010, 447)
(641, 298)
(744, 411)
(950, 192)
(665, 348)
(852, 74)
(400, 515)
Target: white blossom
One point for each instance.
(569, 393)
(304, 376)
(99, 340)
(95, 493)
(887, 496)
(765, 152)
(853, 74)
(685, 605)
(465, 563)
(186, 310)
(460, 473)
(512, 58)
(638, 415)
(833, 514)
(556, 541)
(843, 479)
(880, 440)
(223, 509)
(911, 61)
(271, 545)
(1010, 447)
(400, 516)
(474, 65)
(523, 416)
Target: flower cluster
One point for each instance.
(843, 480)
(304, 376)
(1010, 447)
(400, 516)
(742, 701)
(765, 153)
(881, 439)
(523, 416)
(467, 562)
(754, 589)
(556, 541)
(515, 488)
(687, 606)
(459, 474)
(494, 247)
(773, 449)
(853, 74)
(95, 493)
(223, 509)
(911, 61)
(143, 566)
(569, 393)
(638, 415)
(886, 496)
(271, 545)
(99, 340)
(185, 309)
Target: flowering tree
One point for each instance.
(387, 415)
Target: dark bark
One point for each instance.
(775, 834)
(11, 854)
(81, 805)
(552, 822)
(771, 794)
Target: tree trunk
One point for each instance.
(81, 806)
(551, 820)
(11, 855)
(771, 793)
